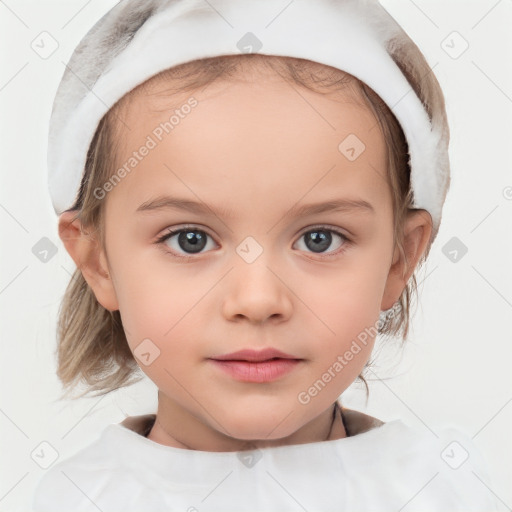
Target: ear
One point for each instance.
(89, 257)
(417, 232)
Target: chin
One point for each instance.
(257, 427)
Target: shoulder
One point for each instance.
(88, 477)
(459, 470)
(64, 485)
(437, 469)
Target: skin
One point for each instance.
(257, 149)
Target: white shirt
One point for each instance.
(390, 467)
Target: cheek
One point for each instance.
(345, 299)
(144, 296)
(161, 307)
(161, 334)
(343, 313)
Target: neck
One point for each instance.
(176, 427)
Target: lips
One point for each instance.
(249, 365)
(254, 355)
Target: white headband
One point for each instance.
(139, 38)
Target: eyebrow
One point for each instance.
(163, 203)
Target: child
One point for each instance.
(246, 191)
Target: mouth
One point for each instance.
(249, 365)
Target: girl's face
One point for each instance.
(286, 241)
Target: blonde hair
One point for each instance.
(92, 346)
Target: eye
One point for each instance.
(189, 240)
(319, 239)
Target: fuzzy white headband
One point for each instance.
(139, 38)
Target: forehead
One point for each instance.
(266, 137)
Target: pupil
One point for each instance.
(192, 241)
(321, 240)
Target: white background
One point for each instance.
(455, 370)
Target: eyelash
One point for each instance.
(346, 241)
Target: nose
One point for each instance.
(256, 292)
